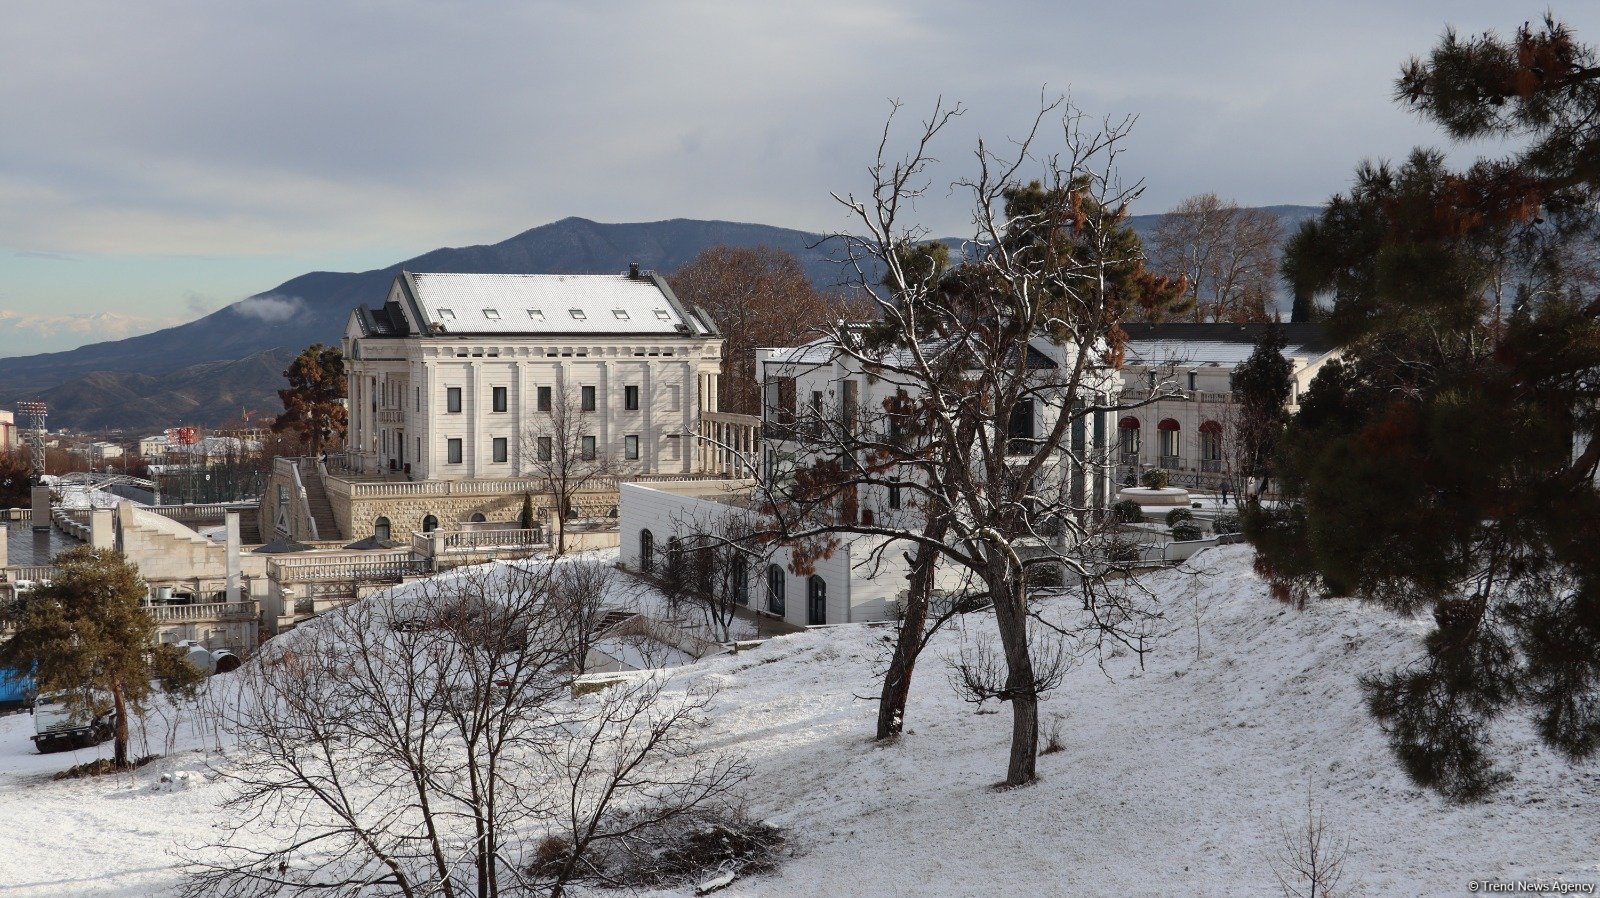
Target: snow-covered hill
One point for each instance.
(1174, 780)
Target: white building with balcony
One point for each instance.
(1177, 381)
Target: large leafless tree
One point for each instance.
(758, 296)
(1050, 270)
(1227, 255)
(431, 745)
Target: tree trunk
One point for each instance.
(908, 644)
(1011, 617)
(120, 742)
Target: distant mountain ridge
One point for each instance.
(159, 379)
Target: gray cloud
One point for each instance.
(297, 128)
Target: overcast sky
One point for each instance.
(159, 160)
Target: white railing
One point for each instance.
(402, 489)
(197, 514)
(207, 611)
(305, 500)
(33, 572)
(70, 525)
(366, 570)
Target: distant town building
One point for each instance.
(9, 439)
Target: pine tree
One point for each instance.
(313, 404)
(86, 630)
(1261, 387)
(1448, 463)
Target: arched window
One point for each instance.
(1128, 440)
(380, 528)
(705, 568)
(1171, 434)
(739, 578)
(816, 600)
(647, 551)
(429, 523)
(775, 589)
(1211, 446)
(478, 518)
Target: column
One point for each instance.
(41, 509)
(232, 519)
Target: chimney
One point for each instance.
(633, 271)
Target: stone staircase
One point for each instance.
(317, 501)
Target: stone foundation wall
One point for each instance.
(405, 513)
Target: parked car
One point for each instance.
(72, 719)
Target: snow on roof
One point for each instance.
(549, 304)
(1215, 344)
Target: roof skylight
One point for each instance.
(663, 315)
(492, 314)
(622, 314)
(536, 314)
(446, 314)
(579, 314)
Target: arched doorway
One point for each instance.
(429, 523)
(775, 584)
(816, 600)
(380, 528)
(478, 518)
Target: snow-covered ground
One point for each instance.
(1174, 780)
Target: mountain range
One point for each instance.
(206, 371)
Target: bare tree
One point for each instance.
(1308, 857)
(758, 296)
(585, 591)
(428, 745)
(1228, 256)
(995, 374)
(561, 448)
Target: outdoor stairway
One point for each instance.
(317, 501)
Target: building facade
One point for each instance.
(457, 376)
(1177, 388)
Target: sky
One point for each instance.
(160, 160)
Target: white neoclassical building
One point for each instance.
(453, 372)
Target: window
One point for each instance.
(847, 408)
(739, 577)
(589, 453)
(630, 398)
(536, 314)
(546, 449)
(500, 449)
(446, 314)
(663, 315)
(588, 399)
(894, 494)
(630, 447)
(429, 523)
(452, 452)
(775, 589)
(578, 314)
(544, 399)
(1194, 378)
(1128, 440)
(452, 400)
(647, 551)
(1020, 430)
(380, 528)
(1171, 433)
(499, 399)
(492, 314)
(622, 314)
(816, 600)
(478, 518)
(419, 399)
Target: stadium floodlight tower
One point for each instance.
(35, 412)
